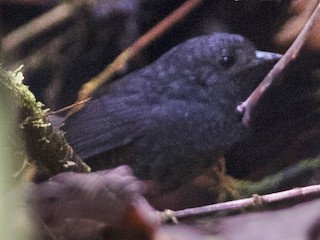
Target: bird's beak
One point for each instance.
(261, 55)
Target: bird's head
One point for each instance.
(218, 67)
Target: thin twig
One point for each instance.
(247, 106)
(121, 61)
(242, 203)
(33, 118)
(69, 107)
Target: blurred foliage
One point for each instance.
(13, 221)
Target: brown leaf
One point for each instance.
(106, 204)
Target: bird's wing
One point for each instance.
(106, 123)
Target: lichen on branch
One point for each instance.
(46, 147)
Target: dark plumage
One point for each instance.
(174, 117)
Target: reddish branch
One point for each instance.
(164, 25)
(69, 107)
(242, 203)
(121, 61)
(247, 106)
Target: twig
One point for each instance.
(69, 107)
(247, 106)
(242, 203)
(33, 118)
(53, 18)
(121, 61)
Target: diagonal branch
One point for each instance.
(247, 106)
(121, 61)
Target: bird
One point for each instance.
(173, 118)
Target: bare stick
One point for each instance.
(33, 118)
(242, 203)
(69, 107)
(247, 106)
(121, 61)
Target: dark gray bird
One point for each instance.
(174, 117)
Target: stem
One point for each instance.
(254, 200)
(248, 105)
(121, 61)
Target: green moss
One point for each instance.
(47, 149)
(23, 96)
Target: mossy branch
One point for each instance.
(47, 148)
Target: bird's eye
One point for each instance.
(226, 61)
